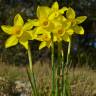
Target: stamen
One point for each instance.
(16, 30)
(45, 23)
(60, 31)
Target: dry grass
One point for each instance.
(11, 72)
(82, 80)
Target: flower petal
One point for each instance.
(43, 12)
(66, 24)
(54, 11)
(18, 20)
(70, 14)
(70, 31)
(53, 15)
(42, 45)
(11, 41)
(50, 27)
(49, 44)
(40, 30)
(66, 37)
(34, 22)
(24, 39)
(7, 29)
(80, 19)
(78, 29)
(58, 21)
(27, 26)
(24, 43)
(62, 10)
(55, 6)
(26, 36)
(32, 34)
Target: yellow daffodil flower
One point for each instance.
(71, 16)
(42, 20)
(45, 16)
(45, 38)
(63, 32)
(55, 11)
(46, 41)
(19, 32)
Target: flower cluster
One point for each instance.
(62, 23)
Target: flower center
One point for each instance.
(56, 14)
(16, 30)
(45, 23)
(60, 31)
(46, 38)
(73, 22)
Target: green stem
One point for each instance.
(31, 73)
(30, 59)
(63, 66)
(58, 85)
(67, 84)
(68, 53)
(53, 67)
(30, 79)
